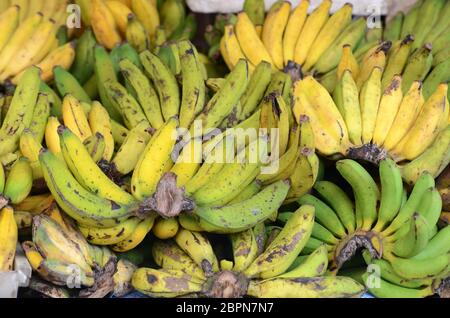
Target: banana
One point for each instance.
(104, 72)
(169, 255)
(87, 172)
(397, 60)
(120, 12)
(438, 75)
(83, 65)
(389, 290)
(148, 14)
(145, 93)
(100, 122)
(74, 117)
(90, 87)
(8, 237)
(197, 246)
(314, 265)
(311, 99)
(429, 13)
(95, 146)
(272, 33)
(188, 162)
(423, 183)
(430, 121)
(29, 49)
(165, 228)
(407, 113)
(85, 207)
(137, 236)
(414, 240)
(9, 20)
(255, 10)
(52, 137)
(294, 26)
(339, 201)
(375, 58)
(20, 111)
(231, 49)
(347, 101)
(310, 31)
(165, 84)
(249, 41)
(67, 84)
(328, 34)
(126, 158)
(434, 159)
(317, 287)
(436, 246)
(164, 283)
(391, 193)
(430, 207)
(222, 103)
(286, 246)
(365, 190)
(369, 100)
(103, 24)
(441, 24)
(393, 28)
(418, 269)
(110, 236)
(150, 167)
(389, 106)
(347, 62)
(54, 99)
(410, 20)
(136, 34)
(19, 182)
(245, 249)
(418, 66)
(240, 216)
(351, 35)
(194, 91)
(172, 14)
(257, 85)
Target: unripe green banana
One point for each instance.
(393, 28)
(19, 182)
(388, 290)
(66, 84)
(418, 66)
(83, 66)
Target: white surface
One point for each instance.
(20, 277)
(360, 7)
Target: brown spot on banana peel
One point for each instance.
(395, 84)
(284, 249)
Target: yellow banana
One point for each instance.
(110, 236)
(155, 160)
(407, 113)
(348, 62)
(9, 20)
(250, 43)
(35, 204)
(310, 31)
(136, 34)
(120, 12)
(375, 57)
(165, 228)
(74, 117)
(100, 122)
(231, 47)
(137, 236)
(148, 14)
(389, 106)
(49, 7)
(19, 38)
(330, 31)
(34, 7)
(8, 239)
(369, 100)
(103, 24)
(188, 162)
(52, 137)
(294, 26)
(272, 33)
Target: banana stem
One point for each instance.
(368, 152)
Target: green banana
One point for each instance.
(314, 265)
(397, 60)
(415, 240)
(429, 13)
(144, 91)
(66, 84)
(418, 269)
(240, 216)
(165, 83)
(19, 182)
(54, 99)
(83, 66)
(439, 74)
(438, 245)
(255, 10)
(388, 290)
(418, 66)
(410, 20)
(393, 28)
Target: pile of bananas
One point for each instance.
(398, 233)
(372, 124)
(33, 33)
(60, 255)
(142, 23)
(263, 266)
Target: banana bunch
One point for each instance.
(259, 268)
(142, 23)
(363, 121)
(398, 232)
(34, 33)
(60, 255)
(443, 185)
(287, 35)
